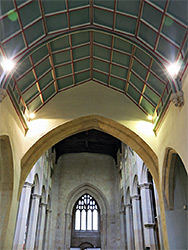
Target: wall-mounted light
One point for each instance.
(150, 117)
(173, 69)
(31, 115)
(7, 65)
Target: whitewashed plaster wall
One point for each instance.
(74, 170)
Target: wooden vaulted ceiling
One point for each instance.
(124, 45)
(90, 141)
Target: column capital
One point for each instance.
(27, 184)
(122, 211)
(145, 185)
(36, 196)
(43, 204)
(149, 225)
(135, 197)
(3, 94)
(128, 206)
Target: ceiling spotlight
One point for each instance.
(7, 65)
(150, 117)
(174, 68)
(32, 115)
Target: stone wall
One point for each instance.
(99, 173)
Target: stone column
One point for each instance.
(41, 226)
(20, 230)
(67, 236)
(123, 229)
(47, 231)
(129, 227)
(137, 222)
(32, 226)
(147, 216)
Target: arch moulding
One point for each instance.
(81, 124)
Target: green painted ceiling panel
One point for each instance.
(103, 39)
(158, 71)
(47, 93)
(65, 82)
(107, 4)
(121, 59)
(82, 76)
(8, 27)
(101, 53)
(29, 95)
(167, 49)
(13, 46)
(179, 10)
(78, 66)
(79, 17)
(76, 3)
(62, 57)
(133, 93)
(128, 6)
(6, 6)
(42, 68)
(57, 22)
(26, 81)
(177, 36)
(39, 54)
(100, 76)
(136, 82)
(118, 71)
(27, 16)
(35, 104)
(155, 84)
(56, 6)
(152, 15)
(60, 43)
(161, 4)
(139, 69)
(34, 32)
(81, 52)
(47, 79)
(151, 96)
(126, 24)
(147, 34)
(147, 106)
(103, 17)
(25, 66)
(143, 57)
(116, 83)
(122, 45)
(97, 64)
(63, 70)
(80, 38)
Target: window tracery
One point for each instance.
(86, 214)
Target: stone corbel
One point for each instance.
(3, 94)
(177, 98)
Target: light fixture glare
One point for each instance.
(7, 65)
(32, 115)
(174, 68)
(150, 117)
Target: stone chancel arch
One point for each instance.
(85, 123)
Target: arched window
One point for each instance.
(86, 214)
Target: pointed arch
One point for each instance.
(81, 124)
(168, 177)
(70, 201)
